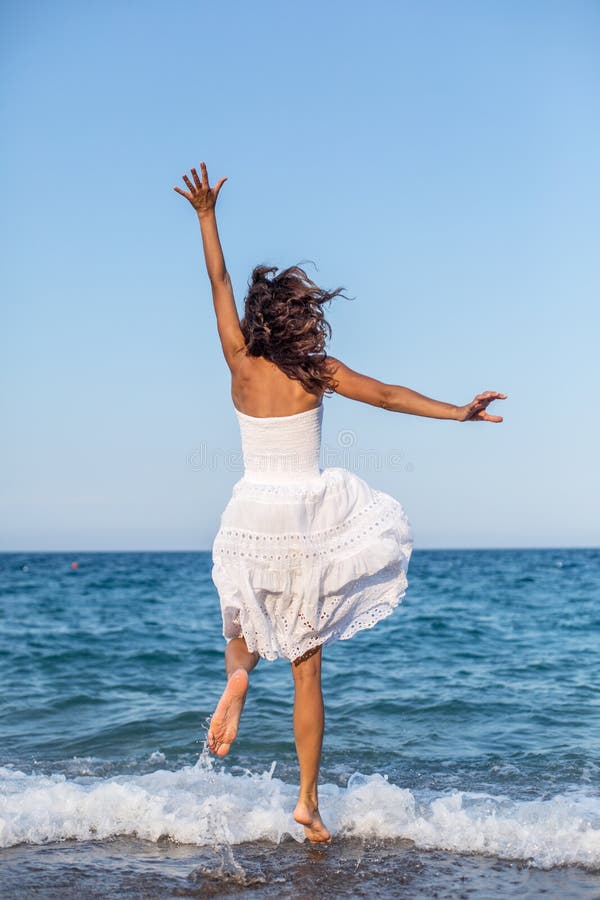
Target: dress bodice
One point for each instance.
(281, 448)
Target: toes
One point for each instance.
(318, 839)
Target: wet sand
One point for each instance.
(126, 867)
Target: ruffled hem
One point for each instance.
(299, 565)
(367, 605)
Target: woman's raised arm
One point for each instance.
(203, 198)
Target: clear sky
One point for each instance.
(438, 159)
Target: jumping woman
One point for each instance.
(303, 556)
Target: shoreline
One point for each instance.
(124, 866)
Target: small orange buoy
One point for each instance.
(74, 565)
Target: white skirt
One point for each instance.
(300, 564)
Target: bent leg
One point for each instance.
(224, 724)
(309, 724)
(237, 656)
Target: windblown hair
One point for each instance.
(284, 323)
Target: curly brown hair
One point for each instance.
(284, 323)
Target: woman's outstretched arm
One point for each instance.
(203, 198)
(397, 398)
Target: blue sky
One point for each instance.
(438, 159)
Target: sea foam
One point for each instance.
(207, 805)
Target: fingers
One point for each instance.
(200, 184)
(481, 401)
(477, 408)
(483, 416)
(183, 193)
(492, 395)
(196, 179)
(218, 186)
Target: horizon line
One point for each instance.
(209, 549)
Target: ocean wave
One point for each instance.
(206, 805)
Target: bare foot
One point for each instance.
(314, 829)
(226, 717)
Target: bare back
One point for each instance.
(260, 388)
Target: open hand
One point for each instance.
(475, 411)
(202, 197)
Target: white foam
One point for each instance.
(204, 805)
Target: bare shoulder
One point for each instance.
(260, 387)
(355, 385)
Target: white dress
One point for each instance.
(303, 555)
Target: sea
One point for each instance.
(461, 754)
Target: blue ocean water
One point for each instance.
(468, 722)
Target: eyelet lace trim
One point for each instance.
(369, 603)
(352, 534)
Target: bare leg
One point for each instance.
(226, 718)
(309, 723)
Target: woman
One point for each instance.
(303, 556)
